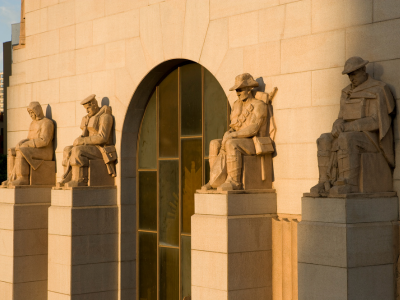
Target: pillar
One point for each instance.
(83, 244)
(23, 242)
(232, 246)
(347, 247)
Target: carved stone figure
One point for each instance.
(94, 145)
(248, 136)
(356, 156)
(31, 153)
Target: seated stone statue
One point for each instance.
(95, 143)
(248, 136)
(364, 126)
(33, 151)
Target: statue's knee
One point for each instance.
(230, 145)
(215, 145)
(345, 141)
(324, 142)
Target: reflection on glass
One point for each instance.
(215, 110)
(191, 100)
(191, 178)
(186, 266)
(169, 274)
(148, 200)
(169, 202)
(168, 113)
(206, 171)
(147, 266)
(148, 137)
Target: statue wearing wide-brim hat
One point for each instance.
(248, 136)
(353, 64)
(244, 80)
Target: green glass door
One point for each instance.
(187, 109)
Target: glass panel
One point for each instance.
(148, 137)
(147, 266)
(168, 113)
(191, 178)
(169, 274)
(215, 110)
(186, 266)
(148, 200)
(169, 203)
(191, 100)
(206, 170)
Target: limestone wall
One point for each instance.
(78, 47)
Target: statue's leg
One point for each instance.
(67, 176)
(215, 147)
(351, 145)
(10, 166)
(324, 145)
(234, 150)
(79, 160)
(21, 170)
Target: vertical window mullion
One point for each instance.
(180, 182)
(158, 192)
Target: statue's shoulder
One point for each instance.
(47, 121)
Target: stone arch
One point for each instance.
(127, 161)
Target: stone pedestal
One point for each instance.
(83, 244)
(23, 242)
(232, 246)
(347, 247)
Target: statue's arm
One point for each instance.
(364, 124)
(105, 126)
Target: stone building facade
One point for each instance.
(121, 49)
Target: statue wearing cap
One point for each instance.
(361, 141)
(248, 136)
(95, 143)
(32, 151)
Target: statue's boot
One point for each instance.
(21, 172)
(211, 160)
(234, 168)
(349, 172)
(323, 165)
(79, 177)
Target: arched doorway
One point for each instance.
(185, 111)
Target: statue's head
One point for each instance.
(91, 105)
(244, 83)
(355, 68)
(35, 110)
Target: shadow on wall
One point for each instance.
(49, 115)
(106, 101)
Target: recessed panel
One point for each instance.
(148, 200)
(169, 202)
(191, 178)
(215, 110)
(169, 274)
(191, 94)
(147, 266)
(186, 266)
(168, 114)
(148, 137)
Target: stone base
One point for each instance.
(44, 175)
(347, 248)
(253, 167)
(98, 174)
(232, 246)
(83, 244)
(24, 242)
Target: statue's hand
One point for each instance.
(78, 141)
(337, 129)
